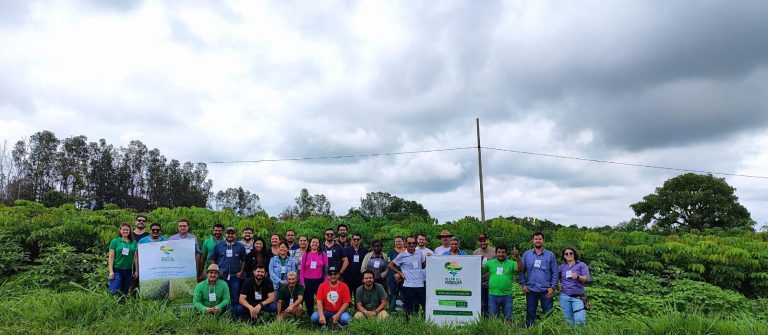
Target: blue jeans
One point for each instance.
(242, 312)
(413, 297)
(343, 320)
(121, 281)
(500, 303)
(234, 290)
(531, 303)
(573, 310)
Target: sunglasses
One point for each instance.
(155, 229)
(568, 253)
(444, 236)
(329, 234)
(333, 273)
(355, 239)
(141, 220)
(411, 243)
(481, 240)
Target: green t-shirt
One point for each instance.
(502, 276)
(124, 252)
(370, 299)
(206, 249)
(202, 296)
(284, 295)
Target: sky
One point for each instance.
(678, 84)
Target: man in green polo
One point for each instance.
(211, 296)
(502, 273)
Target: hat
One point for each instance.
(332, 269)
(213, 267)
(232, 229)
(444, 233)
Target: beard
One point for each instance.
(260, 277)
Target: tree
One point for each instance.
(307, 205)
(693, 201)
(241, 202)
(383, 204)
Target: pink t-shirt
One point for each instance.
(320, 261)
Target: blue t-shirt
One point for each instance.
(539, 271)
(148, 239)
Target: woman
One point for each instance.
(259, 255)
(312, 272)
(573, 275)
(298, 253)
(376, 261)
(274, 242)
(122, 261)
(280, 265)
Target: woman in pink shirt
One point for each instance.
(312, 272)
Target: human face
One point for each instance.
(314, 244)
(283, 250)
(377, 248)
(483, 242)
(501, 254)
(231, 236)
(274, 240)
(141, 222)
(411, 244)
(421, 240)
(259, 273)
(454, 245)
(368, 280)
(258, 245)
(217, 232)
(183, 228)
(329, 235)
(212, 276)
(343, 231)
(155, 231)
(399, 243)
(333, 277)
(247, 235)
(290, 236)
(125, 231)
(445, 239)
(292, 280)
(568, 255)
(356, 241)
(303, 242)
(538, 241)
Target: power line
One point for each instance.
(623, 163)
(340, 156)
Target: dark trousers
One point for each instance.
(310, 289)
(414, 296)
(484, 300)
(531, 304)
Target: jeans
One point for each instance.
(531, 303)
(414, 296)
(343, 319)
(573, 310)
(310, 289)
(500, 303)
(234, 291)
(121, 282)
(242, 312)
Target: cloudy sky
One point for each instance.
(669, 83)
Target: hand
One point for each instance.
(255, 311)
(289, 309)
(135, 274)
(371, 313)
(111, 275)
(429, 253)
(240, 275)
(550, 293)
(209, 310)
(336, 318)
(574, 275)
(525, 289)
(398, 277)
(322, 319)
(215, 309)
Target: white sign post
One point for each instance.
(453, 289)
(167, 269)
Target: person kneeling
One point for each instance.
(333, 298)
(256, 295)
(371, 299)
(290, 297)
(211, 296)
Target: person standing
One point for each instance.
(184, 234)
(445, 239)
(299, 252)
(574, 274)
(377, 262)
(257, 295)
(229, 255)
(501, 272)
(421, 242)
(395, 284)
(122, 261)
(334, 252)
(342, 231)
(138, 228)
(211, 296)
(538, 278)
(486, 254)
(211, 242)
(313, 265)
(274, 242)
(333, 298)
(290, 237)
(259, 255)
(154, 234)
(355, 253)
(290, 298)
(280, 265)
(370, 299)
(411, 264)
(454, 249)
(247, 240)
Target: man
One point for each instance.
(256, 295)
(290, 298)
(422, 245)
(486, 254)
(395, 284)
(501, 272)
(354, 253)
(342, 240)
(184, 234)
(334, 252)
(411, 265)
(454, 248)
(247, 240)
(211, 296)
(290, 238)
(138, 228)
(210, 242)
(333, 298)
(538, 278)
(154, 234)
(445, 239)
(370, 299)
(230, 257)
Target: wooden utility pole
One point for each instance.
(480, 169)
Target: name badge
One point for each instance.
(376, 264)
(537, 263)
(313, 265)
(356, 259)
(229, 253)
(416, 265)
(212, 297)
(485, 260)
(290, 302)
(125, 252)
(568, 274)
(329, 253)
(282, 269)
(499, 270)
(257, 295)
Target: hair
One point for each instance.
(455, 239)
(358, 235)
(422, 234)
(218, 225)
(304, 236)
(501, 247)
(369, 271)
(482, 234)
(155, 224)
(409, 236)
(292, 274)
(125, 224)
(184, 220)
(341, 225)
(538, 233)
(400, 237)
(576, 255)
(260, 256)
(329, 228)
(283, 243)
(377, 241)
(290, 230)
(247, 229)
(309, 247)
(141, 216)
(259, 266)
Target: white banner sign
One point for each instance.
(167, 269)
(453, 289)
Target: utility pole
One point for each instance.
(480, 169)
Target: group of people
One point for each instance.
(294, 276)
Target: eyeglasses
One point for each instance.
(444, 236)
(329, 234)
(411, 243)
(333, 273)
(155, 229)
(355, 239)
(141, 220)
(568, 253)
(481, 240)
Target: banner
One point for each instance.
(453, 289)
(167, 269)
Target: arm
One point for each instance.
(244, 302)
(274, 270)
(555, 271)
(111, 263)
(341, 311)
(136, 263)
(226, 299)
(270, 298)
(302, 267)
(344, 264)
(364, 265)
(197, 299)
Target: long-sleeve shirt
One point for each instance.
(308, 271)
(202, 296)
(573, 286)
(539, 271)
(279, 268)
(229, 258)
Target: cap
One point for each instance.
(232, 229)
(213, 267)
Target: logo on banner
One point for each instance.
(453, 269)
(167, 250)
